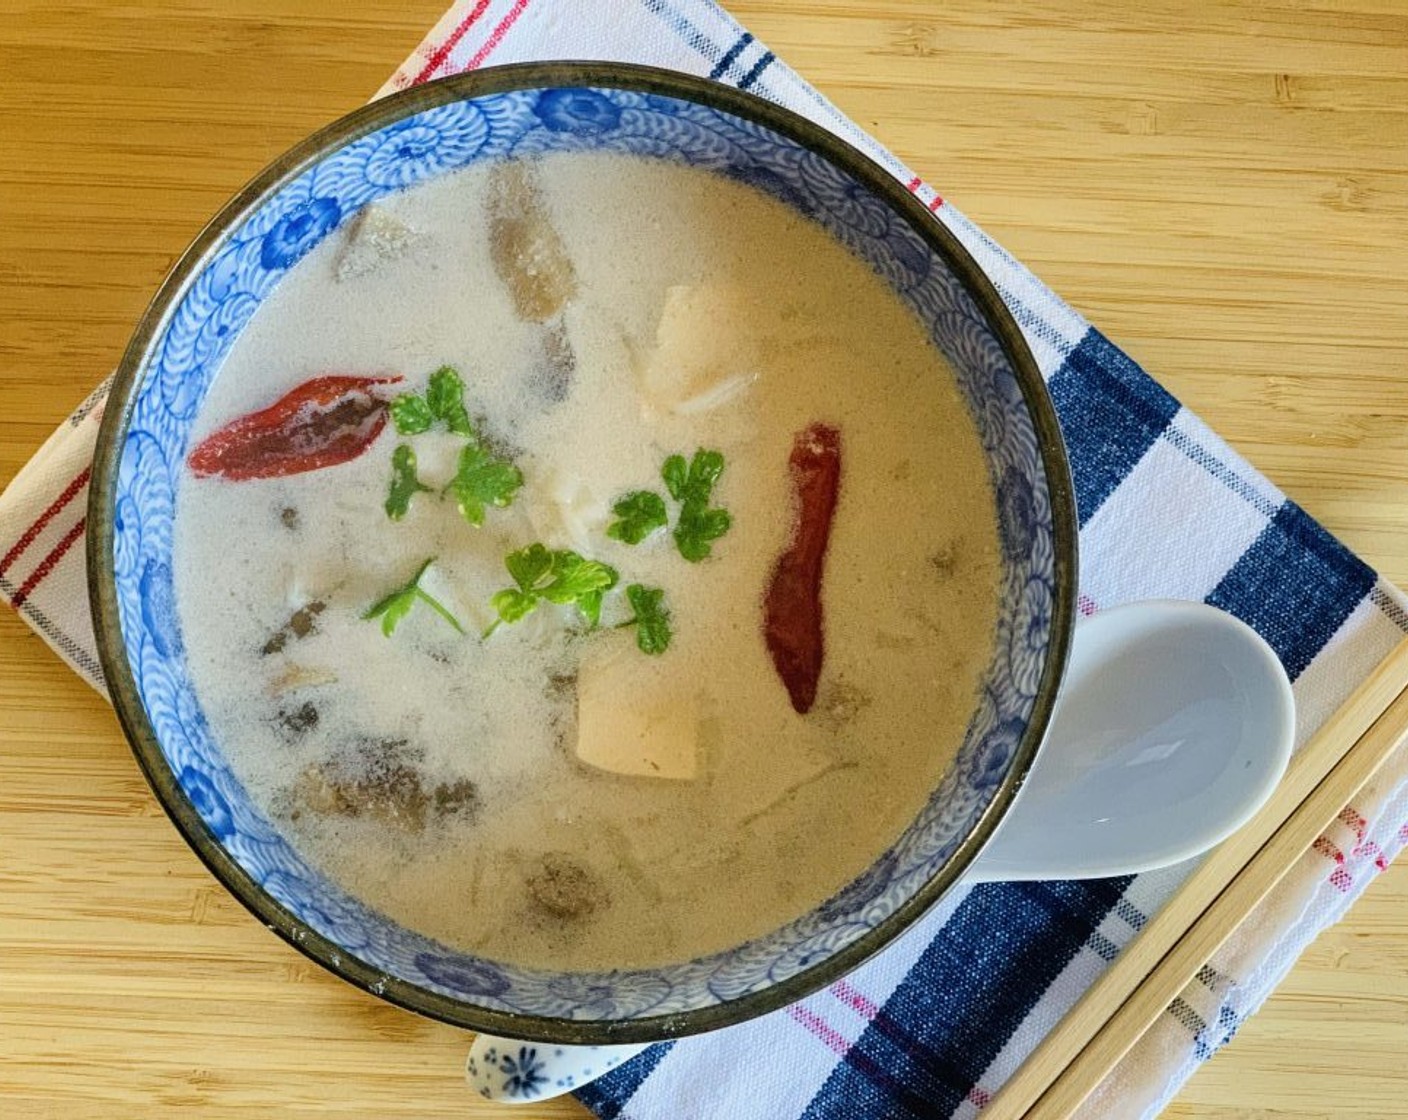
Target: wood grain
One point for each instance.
(1222, 186)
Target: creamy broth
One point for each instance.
(699, 313)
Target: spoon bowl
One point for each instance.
(1173, 726)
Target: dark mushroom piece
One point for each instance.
(564, 888)
(299, 625)
(300, 720)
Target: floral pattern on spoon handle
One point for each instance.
(503, 1069)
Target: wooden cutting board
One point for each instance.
(1222, 187)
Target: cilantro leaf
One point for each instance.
(695, 482)
(445, 400)
(528, 565)
(395, 606)
(697, 528)
(641, 512)
(574, 577)
(590, 606)
(652, 618)
(392, 610)
(698, 524)
(512, 604)
(676, 475)
(483, 480)
(411, 414)
(404, 483)
(557, 576)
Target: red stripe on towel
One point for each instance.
(44, 518)
(913, 187)
(497, 35)
(442, 52)
(853, 999)
(817, 1026)
(47, 564)
(1327, 849)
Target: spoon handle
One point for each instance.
(514, 1072)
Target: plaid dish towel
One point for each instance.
(934, 1025)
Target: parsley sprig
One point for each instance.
(556, 575)
(443, 402)
(394, 607)
(482, 478)
(651, 620)
(697, 525)
(405, 484)
(639, 514)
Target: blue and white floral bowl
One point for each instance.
(515, 111)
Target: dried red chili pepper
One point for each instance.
(320, 423)
(792, 605)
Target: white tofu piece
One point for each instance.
(374, 237)
(622, 731)
(699, 363)
(563, 511)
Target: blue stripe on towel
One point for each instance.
(1111, 413)
(608, 1095)
(1295, 586)
(1003, 947)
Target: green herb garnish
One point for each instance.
(443, 401)
(411, 414)
(482, 479)
(640, 513)
(557, 575)
(445, 397)
(698, 524)
(696, 529)
(652, 618)
(404, 483)
(392, 609)
(694, 482)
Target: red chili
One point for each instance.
(792, 605)
(321, 423)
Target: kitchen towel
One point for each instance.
(934, 1025)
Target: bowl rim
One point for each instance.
(102, 576)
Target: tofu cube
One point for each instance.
(626, 729)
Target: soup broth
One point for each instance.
(535, 789)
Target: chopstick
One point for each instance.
(1323, 776)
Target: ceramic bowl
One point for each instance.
(517, 111)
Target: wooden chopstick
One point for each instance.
(1322, 778)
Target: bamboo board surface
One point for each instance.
(1222, 187)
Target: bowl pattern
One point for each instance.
(268, 238)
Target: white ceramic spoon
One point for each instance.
(1173, 726)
